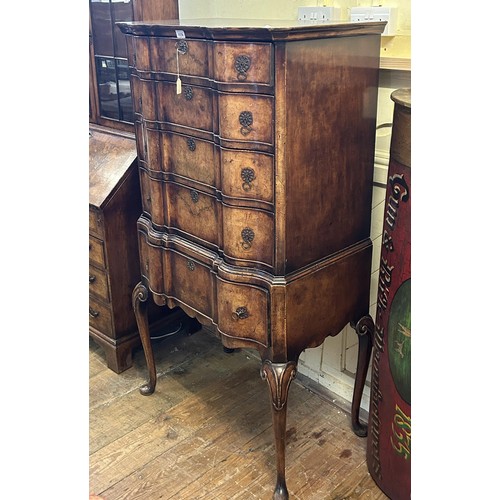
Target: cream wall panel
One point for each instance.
(258, 9)
(189, 9)
(395, 46)
(254, 9)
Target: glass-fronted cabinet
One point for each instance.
(113, 97)
(110, 96)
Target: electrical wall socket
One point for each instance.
(389, 14)
(319, 14)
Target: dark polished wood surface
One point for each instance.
(250, 29)
(110, 157)
(268, 240)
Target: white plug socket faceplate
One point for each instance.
(389, 14)
(319, 14)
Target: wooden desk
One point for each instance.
(114, 206)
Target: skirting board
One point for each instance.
(329, 396)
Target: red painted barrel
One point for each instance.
(389, 425)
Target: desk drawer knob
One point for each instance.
(92, 278)
(190, 265)
(93, 312)
(248, 236)
(191, 144)
(240, 313)
(246, 122)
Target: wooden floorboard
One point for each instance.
(206, 432)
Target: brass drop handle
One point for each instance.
(182, 47)
(248, 236)
(92, 278)
(240, 313)
(247, 175)
(188, 92)
(194, 195)
(93, 312)
(246, 121)
(242, 65)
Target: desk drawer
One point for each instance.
(193, 107)
(246, 117)
(96, 252)
(193, 212)
(247, 175)
(234, 62)
(243, 311)
(192, 56)
(248, 235)
(100, 317)
(98, 283)
(96, 223)
(189, 157)
(243, 62)
(190, 282)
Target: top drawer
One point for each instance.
(96, 226)
(225, 62)
(243, 62)
(192, 56)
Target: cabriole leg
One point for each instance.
(140, 305)
(365, 329)
(279, 376)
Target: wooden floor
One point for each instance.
(206, 432)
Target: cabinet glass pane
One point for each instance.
(102, 27)
(108, 87)
(110, 52)
(121, 11)
(124, 93)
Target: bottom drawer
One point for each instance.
(188, 276)
(243, 311)
(100, 317)
(191, 282)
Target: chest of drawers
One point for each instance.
(256, 146)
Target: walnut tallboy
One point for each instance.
(256, 148)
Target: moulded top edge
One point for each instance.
(260, 29)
